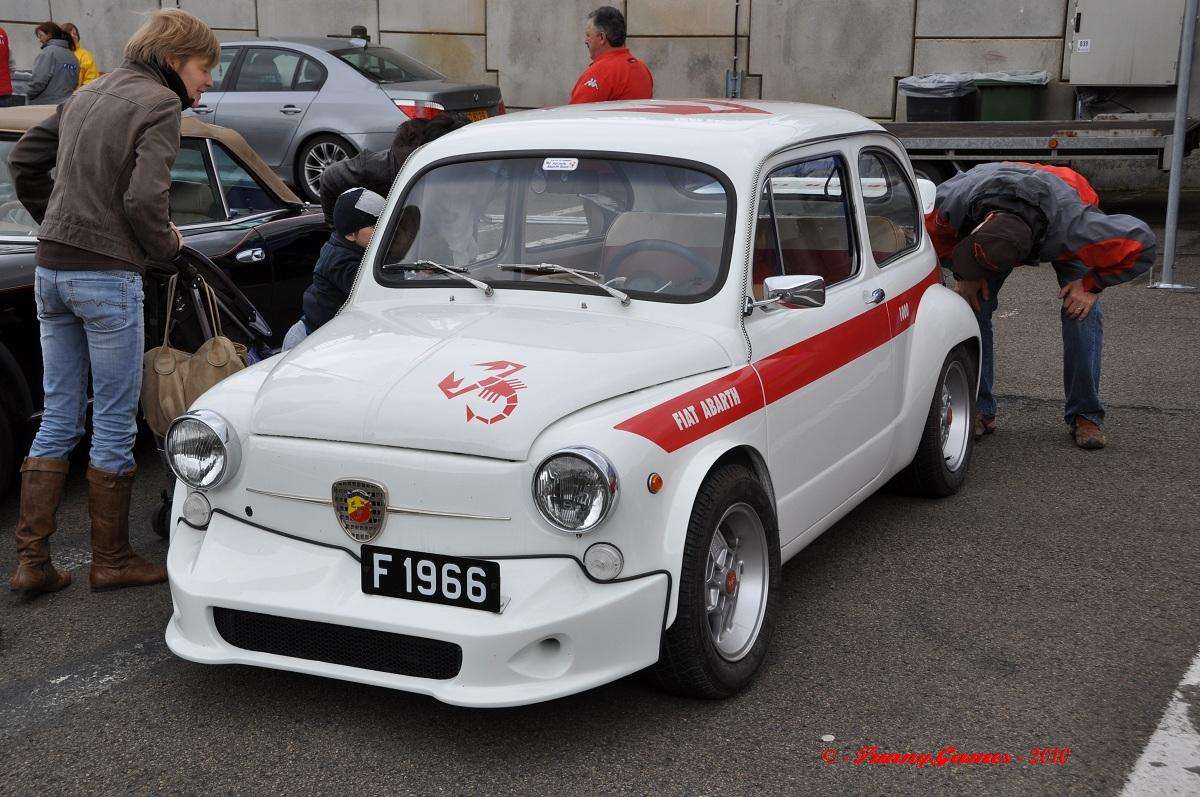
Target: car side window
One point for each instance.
(804, 208)
(310, 76)
(221, 70)
(194, 196)
(244, 195)
(893, 212)
(268, 70)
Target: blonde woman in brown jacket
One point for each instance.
(104, 215)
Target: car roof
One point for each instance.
(731, 134)
(326, 43)
(21, 118)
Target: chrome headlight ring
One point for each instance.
(607, 489)
(227, 453)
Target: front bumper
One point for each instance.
(559, 633)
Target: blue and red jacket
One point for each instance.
(1061, 208)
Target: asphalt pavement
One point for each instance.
(1051, 604)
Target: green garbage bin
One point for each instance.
(1002, 101)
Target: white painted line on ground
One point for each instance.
(37, 700)
(68, 557)
(1170, 764)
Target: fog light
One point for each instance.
(196, 510)
(603, 561)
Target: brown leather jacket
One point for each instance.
(114, 142)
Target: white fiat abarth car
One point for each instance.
(604, 368)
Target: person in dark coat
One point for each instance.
(354, 216)
(376, 171)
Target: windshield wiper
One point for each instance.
(428, 265)
(554, 268)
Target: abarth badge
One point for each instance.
(361, 508)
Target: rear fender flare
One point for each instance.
(944, 321)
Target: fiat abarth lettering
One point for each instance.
(604, 369)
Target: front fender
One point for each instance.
(943, 320)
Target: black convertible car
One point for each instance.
(229, 205)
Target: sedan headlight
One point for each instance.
(575, 489)
(202, 449)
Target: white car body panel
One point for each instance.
(658, 387)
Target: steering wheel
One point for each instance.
(703, 268)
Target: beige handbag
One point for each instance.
(173, 379)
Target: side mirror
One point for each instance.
(928, 195)
(793, 292)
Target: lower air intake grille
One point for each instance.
(339, 644)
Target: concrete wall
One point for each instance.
(840, 52)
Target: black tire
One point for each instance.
(8, 453)
(937, 172)
(160, 518)
(689, 662)
(932, 473)
(319, 148)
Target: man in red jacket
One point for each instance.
(6, 69)
(614, 73)
(998, 216)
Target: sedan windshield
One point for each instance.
(385, 65)
(580, 225)
(14, 219)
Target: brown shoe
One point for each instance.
(114, 564)
(1088, 435)
(984, 424)
(42, 481)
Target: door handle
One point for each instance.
(876, 296)
(290, 109)
(255, 255)
(201, 110)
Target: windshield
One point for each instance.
(637, 226)
(14, 219)
(385, 65)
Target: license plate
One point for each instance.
(476, 115)
(431, 577)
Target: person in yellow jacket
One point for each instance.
(87, 64)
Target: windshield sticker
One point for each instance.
(560, 164)
(495, 386)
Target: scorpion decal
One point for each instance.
(495, 386)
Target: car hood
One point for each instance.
(483, 381)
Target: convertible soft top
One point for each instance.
(21, 118)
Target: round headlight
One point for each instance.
(575, 489)
(201, 449)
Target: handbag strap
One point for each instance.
(214, 314)
(170, 308)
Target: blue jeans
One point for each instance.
(1083, 343)
(90, 318)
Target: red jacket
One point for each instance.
(1061, 208)
(615, 75)
(5, 63)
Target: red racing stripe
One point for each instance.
(700, 412)
(712, 406)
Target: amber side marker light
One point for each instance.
(654, 483)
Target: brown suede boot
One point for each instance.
(1088, 435)
(42, 481)
(114, 564)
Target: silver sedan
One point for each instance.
(304, 103)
